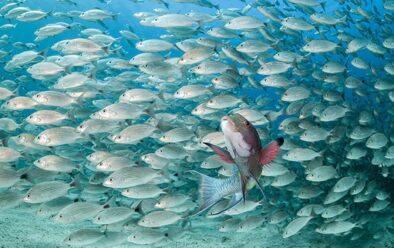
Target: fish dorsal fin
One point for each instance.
(223, 154)
(270, 152)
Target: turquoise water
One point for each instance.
(128, 144)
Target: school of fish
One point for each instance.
(277, 113)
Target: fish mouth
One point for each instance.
(227, 124)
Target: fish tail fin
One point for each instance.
(209, 192)
(343, 19)
(235, 199)
(110, 202)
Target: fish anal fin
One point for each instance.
(244, 185)
(259, 185)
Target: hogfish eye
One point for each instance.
(28, 195)
(60, 216)
(104, 110)
(155, 20)
(38, 137)
(81, 126)
(133, 236)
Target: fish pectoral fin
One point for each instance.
(223, 154)
(270, 152)
(232, 203)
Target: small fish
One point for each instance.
(295, 226)
(159, 219)
(130, 176)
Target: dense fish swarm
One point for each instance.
(117, 128)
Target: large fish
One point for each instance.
(245, 151)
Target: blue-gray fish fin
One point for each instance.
(232, 203)
(208, 192)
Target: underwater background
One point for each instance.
(330, 183)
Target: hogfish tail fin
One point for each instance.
(209, 191)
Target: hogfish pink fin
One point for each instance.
(270, 152)
(223, 154)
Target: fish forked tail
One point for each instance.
(209, 193)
